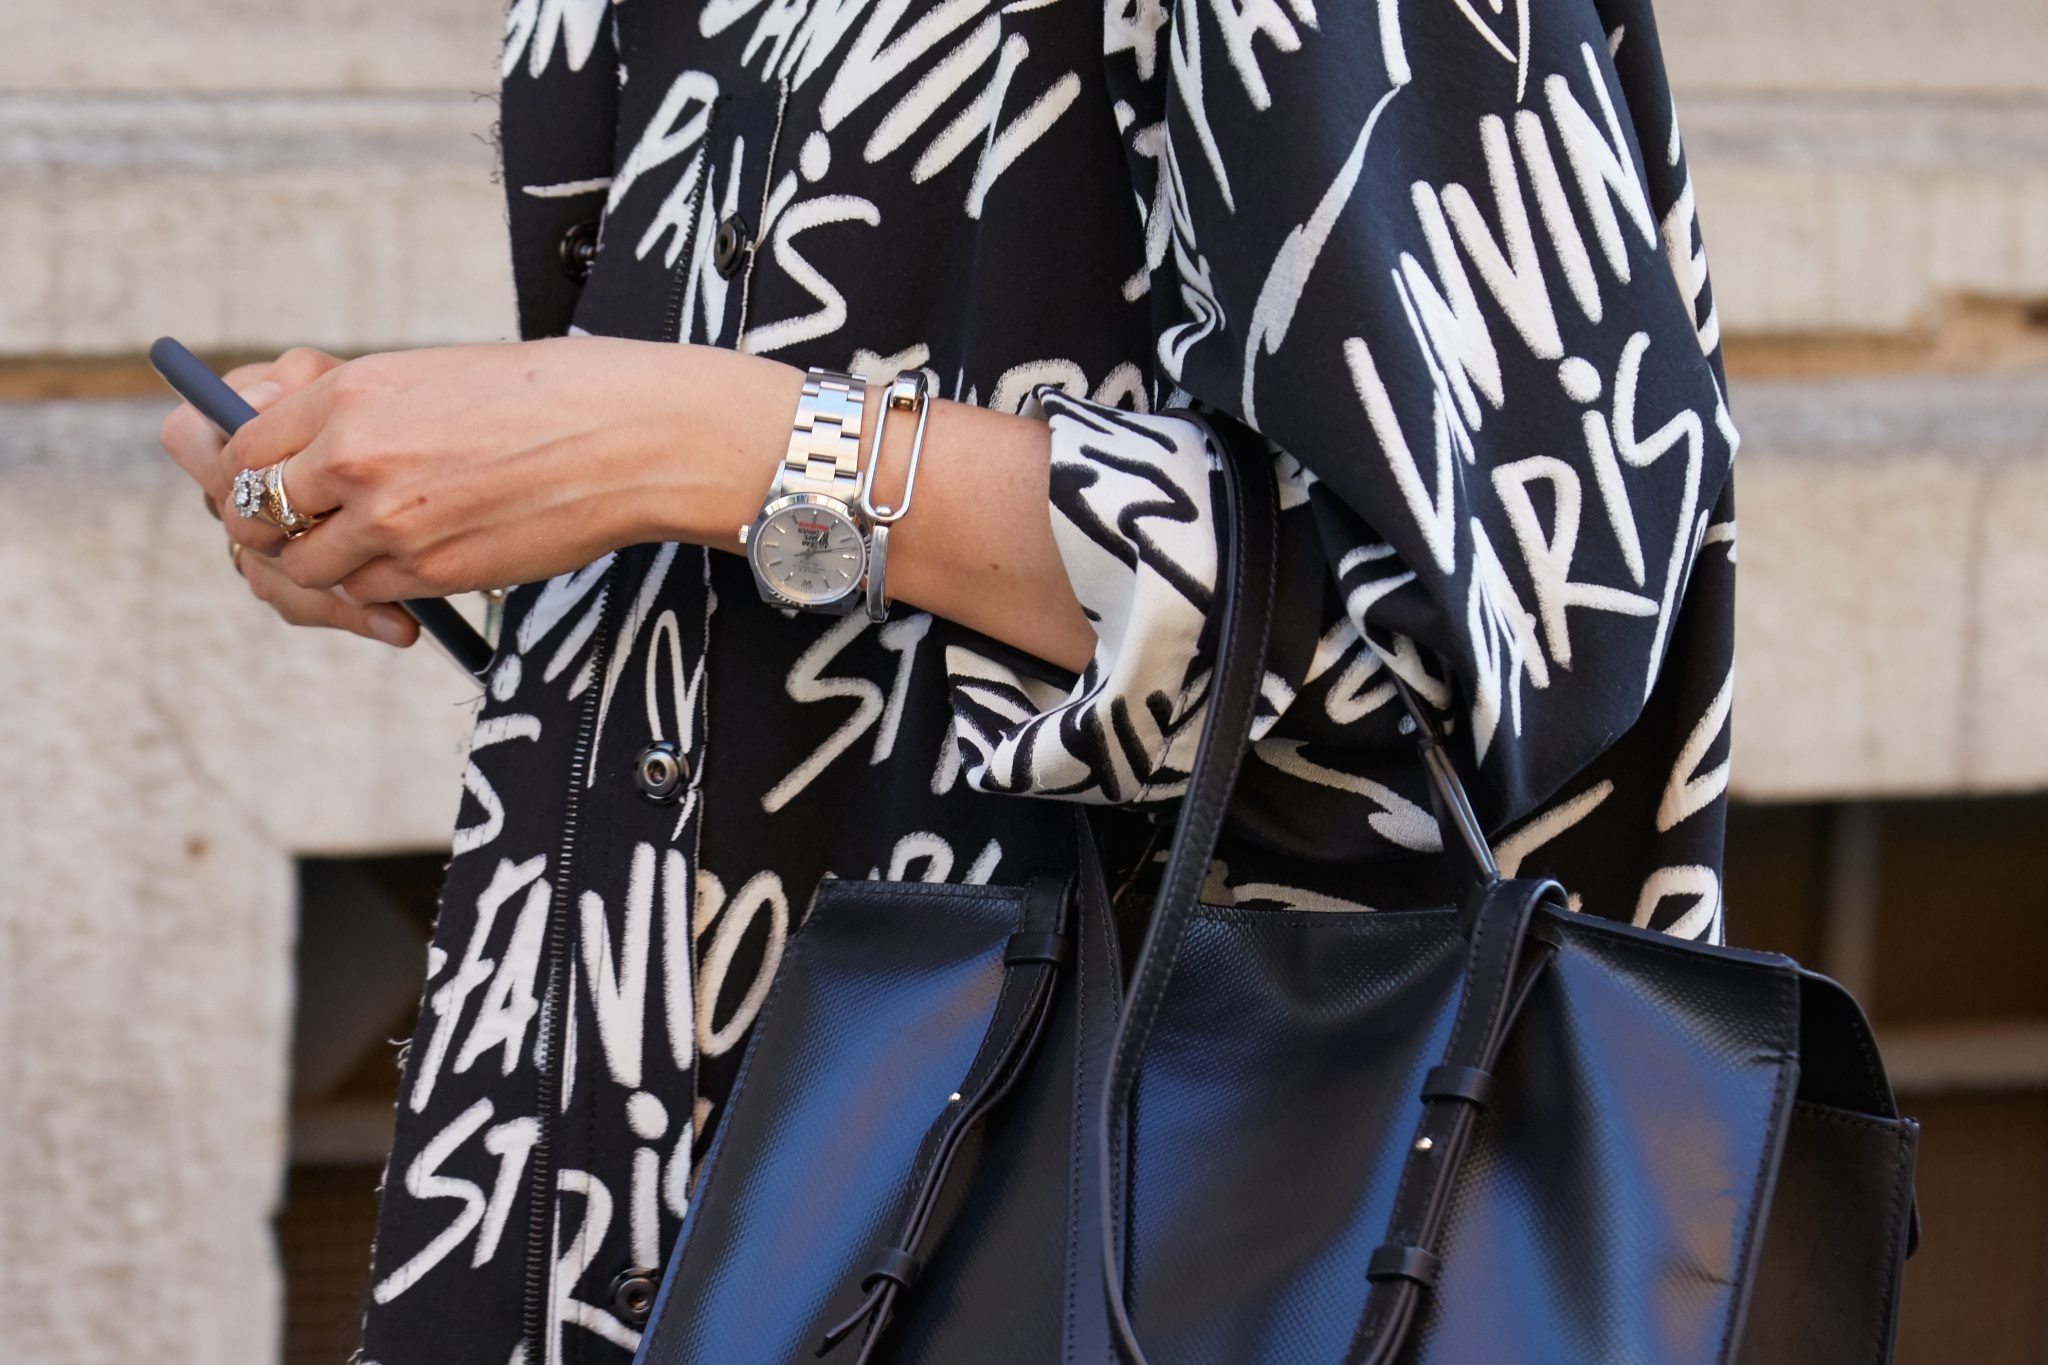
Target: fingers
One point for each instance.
(297, 427)
(325, 607)
(284, 428)
(344, 554)
(311, 480)
(329, 553)
(251, 534)
(293, 370)
(196, 445)
(201, 451)
(242, 378)
(384, 580)
(306, 422)
(191, 441)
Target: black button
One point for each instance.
(633, 1295)
(660, 771)
(579, 250)
(729, 248)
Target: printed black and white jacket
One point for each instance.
(1443, 254)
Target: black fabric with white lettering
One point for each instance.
(1444, 258)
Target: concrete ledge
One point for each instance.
(1982, 417)
(1986, 46)
(1904, 133)
(242, 134)
(1863, 214)
(1990, 45)
(1894, 549)
(359, 222)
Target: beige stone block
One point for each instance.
(106, 45)
(1873, 262)
(2031, 248)
(1867, 215)
(1973, 234)
(169, 751)
(353, 714)
(1894, 586)
(1986, 47)
(1849, 645)
(2005, 728)
(350, 223)
(1768, 246)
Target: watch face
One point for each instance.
(810, 552)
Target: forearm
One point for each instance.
(977, 546)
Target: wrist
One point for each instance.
(707, 448)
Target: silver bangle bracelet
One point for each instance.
(908, 390)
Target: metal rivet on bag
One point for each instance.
(953, 1098)
(1423, 1144)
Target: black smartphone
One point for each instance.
(203, 389)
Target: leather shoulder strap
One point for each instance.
(1497, 923)
(1037, 955)
(1244, 597)
(1454, 1092)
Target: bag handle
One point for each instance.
(1244, 603)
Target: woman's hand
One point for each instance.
(199, 450)
(454, 468)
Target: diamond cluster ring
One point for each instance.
(259, 495)
(248, 495)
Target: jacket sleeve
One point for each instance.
(557, 112)
(1446, 262)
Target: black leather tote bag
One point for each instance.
(905, 1170)
(1491, 1132)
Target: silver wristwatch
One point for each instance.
(809, 546)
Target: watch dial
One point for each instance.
(809, 554)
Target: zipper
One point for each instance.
(739, 337)
(550, 1030)
(673, 323)
(541, 1193)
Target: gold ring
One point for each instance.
(283, 515)
(235, 556)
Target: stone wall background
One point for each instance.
(258, 173)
